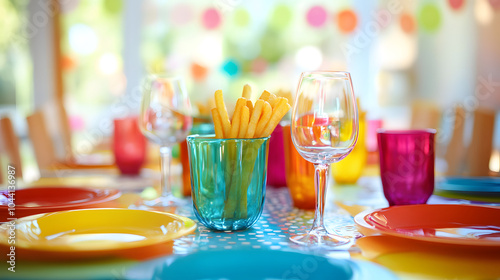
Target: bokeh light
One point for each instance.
(68, 63)
(316, 16)
(181, 14)
(109, 63)
(259, 65)
(407, 23)
(347, 21)
(241, 17)
(82, 39)
(456, 4)
(211, 18)
(309, 58)
(113, 7)
(429, 17)
(209, 50)
(198, 72)
(231, 67)
(280, 18)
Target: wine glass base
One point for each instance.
(319, 239)
(165, 203)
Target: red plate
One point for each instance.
(451, 224)
(49, 199)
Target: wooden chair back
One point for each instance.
(10, 143)
(40, 138)
(455, 152)
(425, 115)
(481, 146)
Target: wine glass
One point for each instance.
(324, 130)
(165, 120)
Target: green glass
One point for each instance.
(228, 179)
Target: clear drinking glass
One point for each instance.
(324, 130)
(165, 120)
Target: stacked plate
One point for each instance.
(472, 185)
(38, 200)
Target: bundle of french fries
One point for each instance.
(250, 120)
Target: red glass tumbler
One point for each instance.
(129, 145)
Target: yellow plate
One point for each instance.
(89, 233)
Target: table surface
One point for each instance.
(278, 222)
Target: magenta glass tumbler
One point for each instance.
(407, 165)
(276, 175)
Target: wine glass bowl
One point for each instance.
(324, 130)
(165, 111)
(165, 119)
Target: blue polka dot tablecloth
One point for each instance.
(278, 222)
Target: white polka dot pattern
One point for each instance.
(278, 222)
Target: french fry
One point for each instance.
(217, 124)
(278, 113)
(279, 101)
(265, 95)
(247, 92)
(235, 123)
(287, 95)
(250, 106)
(201, 108)
(264, 119)
(211, 103)
(254, 119)
(221, 107)
(245, 117)
(272, 99)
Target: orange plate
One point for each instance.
(49, 199)
(452, 224)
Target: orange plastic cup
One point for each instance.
(198, 128)
(299, 174)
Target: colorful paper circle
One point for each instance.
(67, 63)
(259, 65)
(76, 123)
(347, 21)
(241, 17)
(316, 16)
(429, 17)
(280, 18)
(407, 23)
(231, 67)
(456, 4)
(198, 72)
(113, 7)
(181, 14)
(211, 18)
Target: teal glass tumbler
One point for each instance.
(228, 180)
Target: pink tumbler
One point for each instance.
(407, 165)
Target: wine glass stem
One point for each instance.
(166, 158)
(320, 182)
